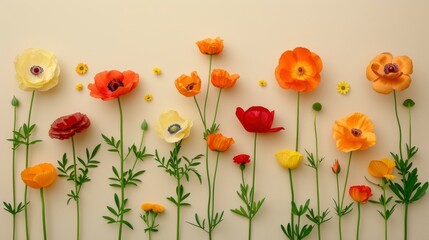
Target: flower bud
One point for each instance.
(144, 126)
(336, 167)
(15, 102)
(317, 106)
(409, 103)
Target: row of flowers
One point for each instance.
(298, 70)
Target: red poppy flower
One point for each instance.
(360, 193)
(66, 127)
(257, 119)
(109, 85)
(241, 159)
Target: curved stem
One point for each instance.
(213, 190)
(43, 214)
(208, 88)
(252, 190)
(344, 192)
(27, 163)
(217, 106)
(121, 129)
(358, 222)
(13, 175)
(399, 125)
(140, 148)
(201, 115)
(77, 190)
(384, 207)
(209, 200)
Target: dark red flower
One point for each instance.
(241, 159)
(257, 119)
(66, 127)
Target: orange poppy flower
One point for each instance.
(388, 73)
(39, 176)
(382, 168)
(188, 86)
(109, 85)
(221, 78)
(360, 193)
(299, 70)
(210, 46)
(218, 142)
(355, 132)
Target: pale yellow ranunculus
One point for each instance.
(289, 159)
(37, 69)
(172, 128)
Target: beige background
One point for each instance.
(140, 35)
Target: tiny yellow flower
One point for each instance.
(79, 86)
(262, 83)
(81, 68)
(156, 70)
(146, 207)
(158, 208)
(343, 88)
(148, 97)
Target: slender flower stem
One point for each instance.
(76, 191)
(121, 154)
(317, 175)
(252, 190)
(208, 87)
(340, 214)
(409, 126)
(13, 174)
(297, 123)
(140, 148)
(344, 191)
(358, 222)
(179, 202)
(213, 189)
(209, 199)
(384, 207)
(406, 221)
(27, 163)
(217, 106)
(201, 115)
(292, 194)
(43, 214)
(399, 125)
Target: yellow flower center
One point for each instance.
(115, 84)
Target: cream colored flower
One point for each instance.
(172, 128)
(37, 69)
(289, 159)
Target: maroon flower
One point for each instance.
(257, 119)
(66, 127)
(241, 159)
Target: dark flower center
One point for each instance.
(36, 70)
(190, 86)
(391, 68)
(300, 70)
(174, 128)
(115, 84)
(356, 132)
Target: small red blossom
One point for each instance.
(241, 159)
(67, 126)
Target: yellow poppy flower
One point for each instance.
(289, 159)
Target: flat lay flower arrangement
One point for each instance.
(391, 182)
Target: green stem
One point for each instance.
(384, 207)
(409, 126)
(358, 222)
(406, 221)
(344, 190)
(213, 191)
(252, 190)
(317, 175)
(217, 106)
(27, 163)
(201, 115)
(292, 193)
(43, 214)
(209, 199)
(399, 125)
(140, 148)
(340, 213)
(179, 202)
(77, 190)
(179, 198)
(13, 175)
(297, 123)
(121, 129)
(208, 88)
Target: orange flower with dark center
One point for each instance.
(222, 79)
(355, 132)
(188, 86)
(112, 84)
(39, 176)
(360, 193)
(388, 73)
(382, 168)
(299, 70)
(210, 46)
(219, 143)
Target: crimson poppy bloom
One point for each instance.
(241, 159)
(257, 119)
(112, 84)
(67, 126)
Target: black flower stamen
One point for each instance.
(391, 68)
(174, 128)
(36, 70)
(356, 132)
(115, 84)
